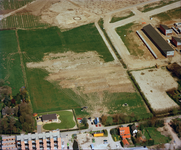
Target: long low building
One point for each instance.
(158, 40)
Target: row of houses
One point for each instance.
(48, 140)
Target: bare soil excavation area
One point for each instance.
(87, 75)
(85, 70)
(154, 83)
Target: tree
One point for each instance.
(5, 124)
(11, 123)
(84, 121)
(16, 111)
(175, 111)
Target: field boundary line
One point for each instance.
(21, 59)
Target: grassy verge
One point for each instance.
(115, 19)
(152, 6)
(101, 22)
(10, 68)
(66, 118)
(156, 136)
(81, 114)
(169, 15)
(124, 33)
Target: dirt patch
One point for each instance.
(2, 12)
(87, 75)
(62, 12)
(154, 85)
(122, 13)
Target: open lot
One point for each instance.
(154, 83)
(66, 120)
(10, 65)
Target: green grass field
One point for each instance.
(115, 19)
(152, 6)
(66, 118)
(46, 96)
(135, 104)
(128, 40)
(156, 136)
(10, 68)
(169, 15)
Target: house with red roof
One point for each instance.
(125, 134)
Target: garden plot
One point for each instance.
(154, 83)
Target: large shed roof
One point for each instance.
(157, 39)
(164, 26)
(49, 117)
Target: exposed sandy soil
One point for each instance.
(154, 83)
(74, 13)
(87, 75)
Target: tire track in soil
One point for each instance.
(21, 59)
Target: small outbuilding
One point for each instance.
(166, 30)
(176, 41)
(49, 118)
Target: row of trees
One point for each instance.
(176, 125)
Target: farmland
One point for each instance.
(10, 68)
(44, 48)
(25, 20)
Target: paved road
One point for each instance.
(131, 61)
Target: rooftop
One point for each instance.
(176, 38)
(49, 117)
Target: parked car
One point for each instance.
(92, 146)
(105, 142)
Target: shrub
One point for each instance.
(105, 133)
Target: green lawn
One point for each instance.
(132, 47)
(66, 118)
(44, 95)
(135, 104)
(169, 15)
(10, 68)
(157, 136)
(81, 114)
(152, 6)
(115, 19)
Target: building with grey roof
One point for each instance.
(176, 41)
(166, 30)
(8, 142)
(49, 118)
(158, 40)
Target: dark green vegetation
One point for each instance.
(22, 21)
(176, 125)
(101, 24)
(10, 65)
(115, 19)
(125, 33)
(13, 4)
(66, 118)
(18, 119)
(115, 134)
(169, 15)
(174, 93)
(156, 5)
(46, 96)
